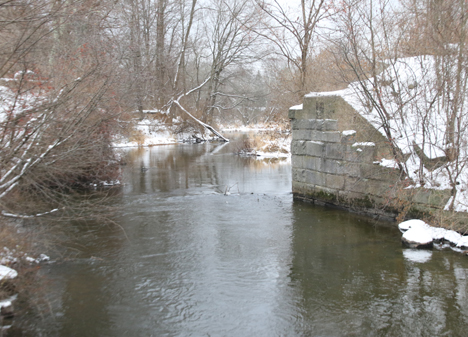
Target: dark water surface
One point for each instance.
(196, 262)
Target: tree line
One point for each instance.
(73, 73)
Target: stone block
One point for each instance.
(298, 147)
(315, 136)
(356, 185)
(329, 136)
(437, 198)
(298, 175)
(326, 194)
(292, 113)
(325, 125)
(330, 125)
(378, 172)
(361, 202)
(352, 169)
(335, 181)
(293, 121)
(348, 196)
(303, 114)
(297, 161)
(315, 178)
(310, 107)
(318, 124)
(303, 188)
(332, 166)
(335, 151)
(296, 124)
(348, 139)
(359, 155)
(303, 124)
(380, 188)
(312, 163)
(301, 135)
(314, 149)
(365, 153)
(351, 155)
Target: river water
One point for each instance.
(207, 243)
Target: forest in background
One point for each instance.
(74, 73)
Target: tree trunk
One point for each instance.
(160, 46)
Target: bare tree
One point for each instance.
(293, 33)
(229, 44)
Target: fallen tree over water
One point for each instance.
(204, 125)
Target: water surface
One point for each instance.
(212, 244)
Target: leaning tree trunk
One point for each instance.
(205, 125)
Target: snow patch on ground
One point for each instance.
(7, 273)
(150, 132)
(463, 242)
(406, 225)
(5, 303)
(420, 232)
(247, 128)
(452, 236)
(418, 235)
(154, 132)
(10, 256)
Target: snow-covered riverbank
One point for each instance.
(9, 258)
(153, 132)
(419, 234)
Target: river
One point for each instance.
(207, 243)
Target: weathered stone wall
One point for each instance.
(332, 167)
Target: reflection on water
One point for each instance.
(196, 262)
(201, 169)
(416, 255)
(356, 279)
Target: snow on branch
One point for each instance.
(206, 126)
(22, 216)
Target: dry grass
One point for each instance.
(274, 139)
(137, 136)
(266, 141)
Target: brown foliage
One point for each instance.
(61, 101)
